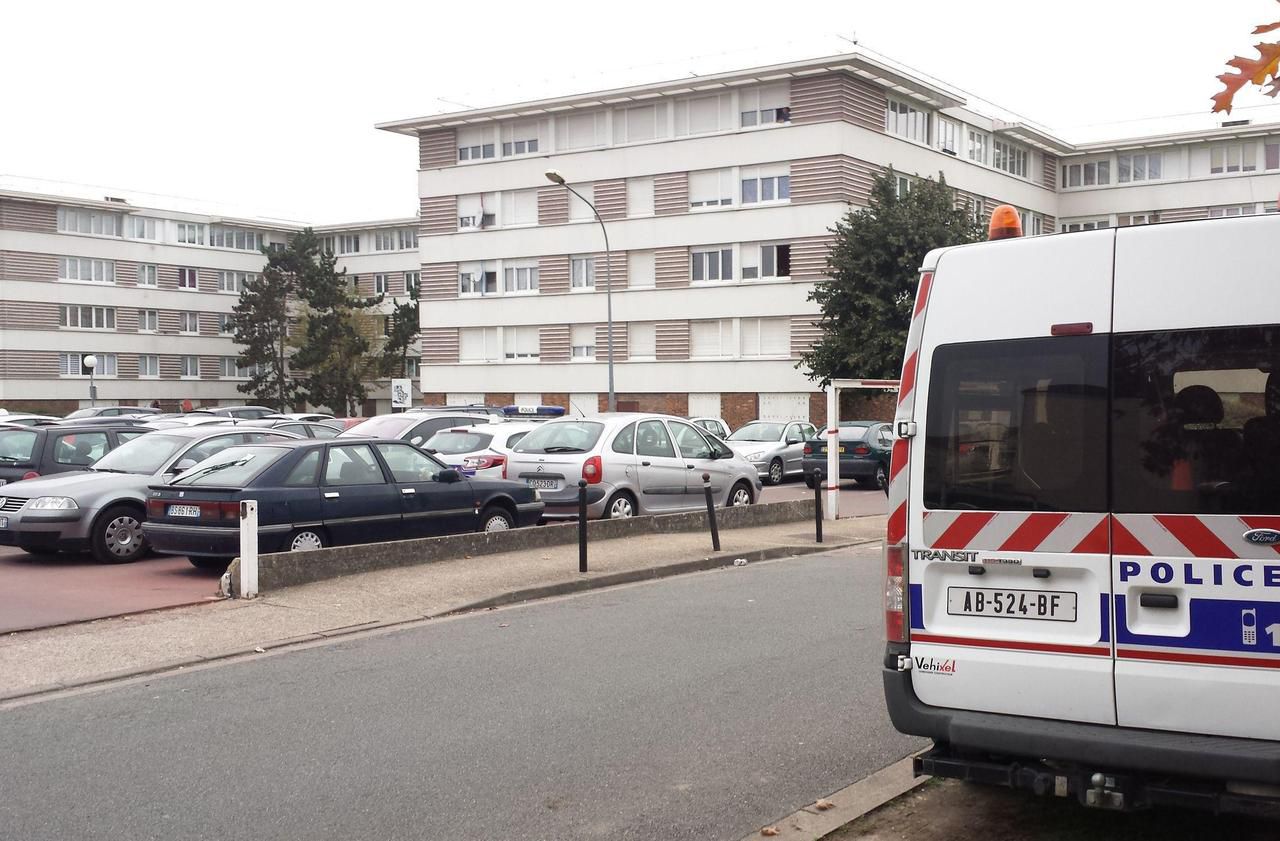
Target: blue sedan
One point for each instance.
(312, 494)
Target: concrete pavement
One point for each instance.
(54, 658)
(699, 707)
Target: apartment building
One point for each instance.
(718, 193)
(150, 293)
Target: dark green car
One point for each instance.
(865, 447)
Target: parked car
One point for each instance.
(110, 412)
(23, 419)
(470, 409)
(309, 417)
(480, 451)
(414, 427)
(776, 448)
(716, 426)
(306, 430)
(101, 510)
(35, 451)
(313, 494)
(102, 420)
(189, 419)
(865, 447)
(241, 412)
(633, 463)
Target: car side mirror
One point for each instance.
(448, 476)
(794, 439)
(183, 466)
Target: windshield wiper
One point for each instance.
(108, 470)
(7, 458)
(563, 450)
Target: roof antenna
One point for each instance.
(852, 40)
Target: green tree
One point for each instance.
(402, 330)
(260, 324)
(873, 270)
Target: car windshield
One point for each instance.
(145, 454)
(852, 433)
(562, 437)
(233, 467)
(758, 432)
(82, 413)
(452, 443)
(387, 426)
(17, 445)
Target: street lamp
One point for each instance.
(91, 362)
(556, 178)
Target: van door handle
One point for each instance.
(330, 494)
(691, 466)
(1158, 600)
(645, 464)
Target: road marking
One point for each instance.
(849, 804)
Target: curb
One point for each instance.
(509, 598)
(846, 805)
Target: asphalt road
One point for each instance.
(699, 707)
(855, 500)
(37, 591)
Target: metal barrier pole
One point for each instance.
(582, 525)
(711, 511)
(817, 502)
(248, 548)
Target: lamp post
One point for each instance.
(556, 178)
(90, 361)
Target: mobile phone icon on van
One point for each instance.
(1249, 626)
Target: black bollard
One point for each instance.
(817, 503)
(711, 511)
(582, 525)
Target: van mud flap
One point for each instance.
(1092, 787)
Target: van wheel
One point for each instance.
(117, 536)
(304, 540)
(740, 495)
(496, 519)
(775, 472)
(620, 507)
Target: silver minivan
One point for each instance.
(633, 463)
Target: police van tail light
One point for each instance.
(895, 592)
(1005, 223)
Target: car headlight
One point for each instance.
(52, 503)
(756, 456)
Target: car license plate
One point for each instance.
(546, 484)
(841, 450)
(4, 481)
(1053, 605)
(184, 511)
(4, 522)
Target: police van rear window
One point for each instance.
(1018, 425)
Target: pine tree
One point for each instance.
(402, 330)
(260, 324)
(873, 265)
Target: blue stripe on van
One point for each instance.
(1216, 625)
(917, 607)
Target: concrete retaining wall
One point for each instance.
(285, 569)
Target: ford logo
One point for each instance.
(1263, 537)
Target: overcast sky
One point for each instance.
(267, 108)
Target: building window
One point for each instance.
(1143, 167)
(1009, 157)
(1086, 225)
(348, 243)
(147, 274)
(711, 188)
(412, 282)
(475, 153)
(711, 339)
(479, 344)
(520, 342)
(949, 134)
(148, 365)
(384, 240)
(148, 321)
(143, 227)
(188, 322)
(1086, 174)
(1137, 219)
(766, 261)
(640, 123)
(478, 282)
(240, 239)
(977, 149)
(906, 121)
(72, 364)
(187, 278)
(519, 147)
(519, 139)
(1232, 210)
(408, 238)
(715, 264)
(1233, 157)
(519, 207)
(766, 106)
(762, 185)
(520, 279)
(642, 340)
(765, 337)
(232, 370)
(901, 186)
(704, 114)
(475, 144)
(226, 326)
(327, 245)
(478, 210)
(583, 342)
(412, 366)
(189, 366)
(88, 269)
(639, 197)
(87, 318)
(75, 221)
(640, 270)
(582, 272)
(379, 284)
(234, 281)
(1271, 154)
(190, 233)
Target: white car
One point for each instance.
(718, 427)
(480, 451)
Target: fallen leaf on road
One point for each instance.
(260, 650)
(769, 830)
(824, 805)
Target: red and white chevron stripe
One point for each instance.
(1016, 531)
(896, 531)
(1191, 536)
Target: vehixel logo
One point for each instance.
(933, 666)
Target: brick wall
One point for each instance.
(861, 404)
(665, 403)
(499, 399)
(556, 400)
(739, 407)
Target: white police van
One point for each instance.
(1083, 548)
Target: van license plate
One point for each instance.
(546, 484)
(1053, 605)
(184, 511)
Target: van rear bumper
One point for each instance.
(1098, 746)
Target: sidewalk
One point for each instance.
(73, 655)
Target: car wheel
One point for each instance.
(882, 477)
(212, 564)
(304, 540)
(117, 536)
(496, 519)
(775, 472)
(620, 506)
(740, 495)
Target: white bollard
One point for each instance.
(832, 477)
(248, 548)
